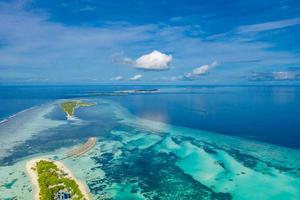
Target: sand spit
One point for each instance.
(91, 142)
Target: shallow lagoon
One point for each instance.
(141, 159)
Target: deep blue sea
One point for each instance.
(266, 113)
(156, 142)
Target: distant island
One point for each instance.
(54, 181)
(139, 91)
(125, 92)
(69, 107)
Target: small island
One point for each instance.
(139, 91)
(69, 107)
(54, 181)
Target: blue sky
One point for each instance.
(151, 42)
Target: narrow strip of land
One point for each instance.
(91, 142)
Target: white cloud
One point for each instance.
(189, 75)
(118, 58)
(154, 61)
(284, 75)
(136, 77)
(268, 25)
(193, 75)
(204, 68)
(117, 78)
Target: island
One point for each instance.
(139, 91)
(54, 180)
(69, 107)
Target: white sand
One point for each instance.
(34, 177)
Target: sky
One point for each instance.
(150, 42)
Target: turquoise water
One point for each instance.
(264, 113)
(137, 158)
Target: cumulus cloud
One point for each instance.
(117, 78)
(136, 77)
(154, 61)
(204, 68)
(194, 74)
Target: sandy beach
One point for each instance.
(34, 178)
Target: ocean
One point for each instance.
(266, 113)
(157, 142)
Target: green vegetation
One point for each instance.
(51, 179)
(69, 106)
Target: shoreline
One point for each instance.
(34, 177)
